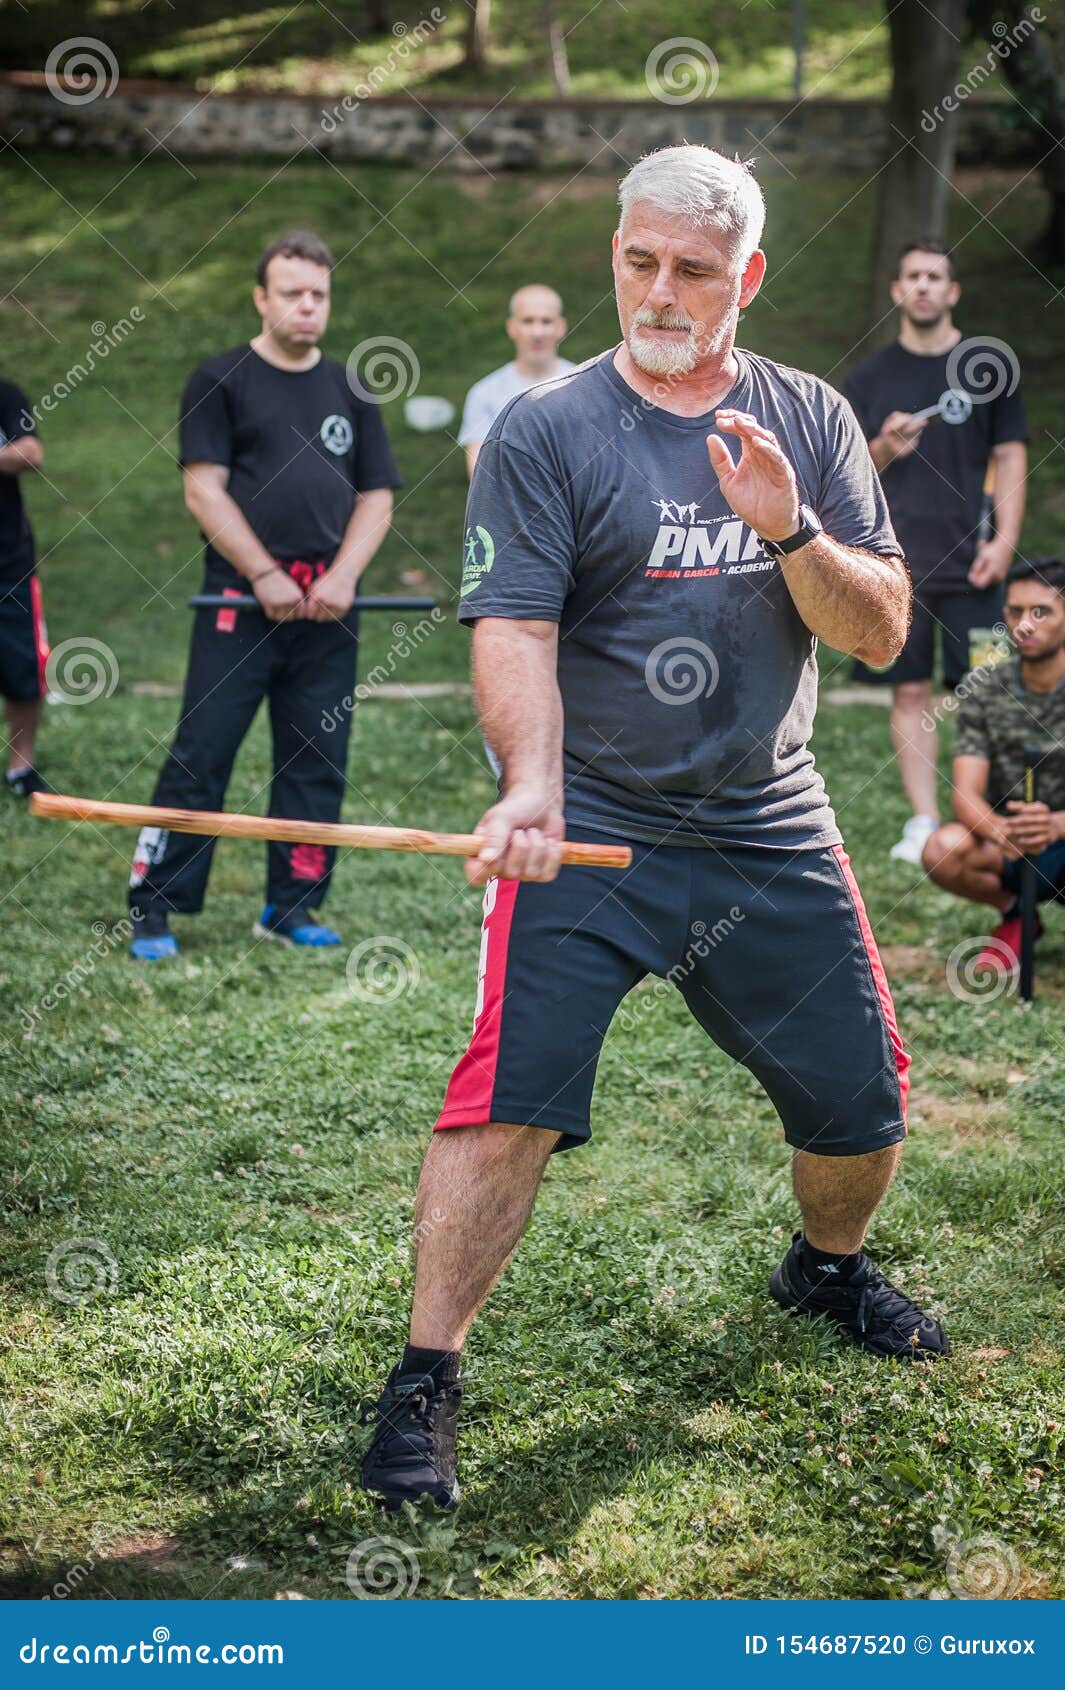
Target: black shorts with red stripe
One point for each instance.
(771, 950)
(23, 641)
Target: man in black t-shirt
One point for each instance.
(941, 414)
(23, 642)
(289, 473)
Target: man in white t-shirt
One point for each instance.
(536, 325)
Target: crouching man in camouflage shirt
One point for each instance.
(1005, 710)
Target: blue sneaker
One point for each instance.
(152, 939)
(297, 927)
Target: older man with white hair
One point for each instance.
(535, 324)
(656, 543)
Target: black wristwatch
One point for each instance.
(809, 527)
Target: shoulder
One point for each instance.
(220, 368)
(335, 374)
(790, 385)
(546, 410)
(488, 384)
(869, 370)
(990, 687)
(12, 396)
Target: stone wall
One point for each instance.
(138, 118)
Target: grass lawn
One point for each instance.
(309, 47)
(235, 1138)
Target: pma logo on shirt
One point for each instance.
(478, 558)
(336, 435)
(687, 544)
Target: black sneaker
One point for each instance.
(413, 1450)
(867, 1306)
(25, 782)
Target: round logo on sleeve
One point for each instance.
(336, 435)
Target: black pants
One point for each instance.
(307, 672)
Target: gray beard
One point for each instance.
(662, 359)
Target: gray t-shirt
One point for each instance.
(488, 396)
(688, 679)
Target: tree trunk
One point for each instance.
(925, 52)
(556, 47)
(1031, 62)
(477, 33)
(377, 18)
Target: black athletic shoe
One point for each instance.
(25, 782)
(413, 1450)
(867, 1306)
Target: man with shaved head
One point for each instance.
(536, 325)
(656, 542)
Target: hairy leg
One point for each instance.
(913, 734)
(475, 1195)
(969, 867)
(838, 1195)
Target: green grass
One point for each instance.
(238, 1136)
(315, 49)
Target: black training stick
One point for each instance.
(248, 601)
(1027, 981)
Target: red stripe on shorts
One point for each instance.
(468, 1102)
(883, 990)
(40, 633)
(226, 620)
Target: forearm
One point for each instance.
(515, 674)
(881, 454)
(18, 456)
(854, 601)
(976, 814)
(229, 532)
(369, 523)
(1009, 497)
